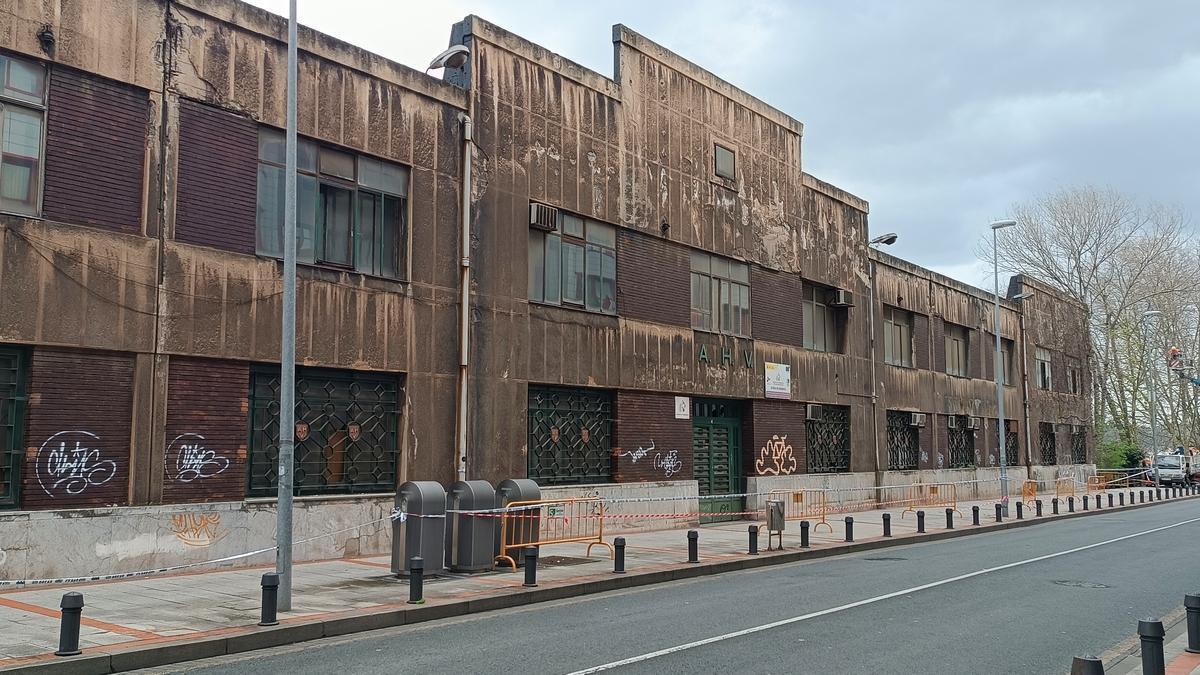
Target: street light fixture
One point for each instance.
(999, 369)
(882, 240)
(454, 57)
(1153, 397)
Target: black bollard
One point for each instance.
(619, 555)
(1087, 665)
(999, 513)
(270, 599)
(1142, 497)
(68, 630)
(1020, 510)
(1037, 508)
(887, 524)
(1110, 500)
(974, 515)
(1191, 602)
(849, 528)
(1070, 505)
(804, 534)
(949, 519)
(920, 521)
(416, 580)
(1054, 506)
(1085, 502)
(531, 556)
(1151, 633)
(1121, 498)
(753, 540)
(1158, 494)
(693, 546)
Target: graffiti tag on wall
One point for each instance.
(776, 458)
(69, 462)
(669, 464)
(194, 460)
(197, 529)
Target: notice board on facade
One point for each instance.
(778, 377)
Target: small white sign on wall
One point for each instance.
(683, 407)
(778, 378)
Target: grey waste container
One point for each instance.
(469, 539)
(423, 537)
(516, 490)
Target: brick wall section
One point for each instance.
(775, 307)
(654, 280)
(207, 404)
(217, 178)
(644, 419)
(772, 423)
(921, 341)
(95, 151)
(78, 433)
(939, 344)
(974, 354)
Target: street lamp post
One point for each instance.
(886, 240)
(1153, 396)
(999, 369)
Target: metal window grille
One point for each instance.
(829, 440)
(570, 436)
(347, 432)
(961, 444)
(1011, 443)
(1078, 448)
(903, 441)
(1047, 443)
(13, 374)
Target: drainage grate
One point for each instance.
(1072, 583)
(564, 561)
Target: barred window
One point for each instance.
(1079, 446)
(14, 374)
(1046, 442)
(1011, 442)
(961, 442)
(903, 441)
(347, 431)
(570, 436)
(829, 440)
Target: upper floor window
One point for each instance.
(956, 350)
(822, 323)
(897, 337)
(351, 211)
(574, 264)
(1006, 361)
(1074, 382)
(724, 162)
(1042, 368)
(22, 117)
(720, 294)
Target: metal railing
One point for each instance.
(931, 495)
(810, 505)
(551, 521)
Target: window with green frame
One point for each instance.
(347, 431)
(351, 211)
(570, 435)
(14, 377)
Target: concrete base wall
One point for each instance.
(664, 497)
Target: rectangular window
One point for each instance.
(570, 435)
(961, 441)
(347, 431)
(720, 295)
(1074, 385)
(351, 211)
(14, 374)
(1006, 361)
(828, 438)
(1047, 443)
(1042, 368)
(724, 162)
(1078, 446)
(22, 122)
(1012, 443)
(822, 323)
(576, 266)
(897, 337)
(903, 441)
(956, 350)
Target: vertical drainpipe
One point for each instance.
(464, 325)
(874, 381)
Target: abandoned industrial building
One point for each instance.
(660, 299)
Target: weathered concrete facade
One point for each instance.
(144, 273)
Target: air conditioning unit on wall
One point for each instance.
(952, 421)
(813, 411)
(917, 420)
(973, 422)
(543, 217)
(841, 298)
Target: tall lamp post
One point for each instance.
(884, 240)
(999, 369)
(1153, 395)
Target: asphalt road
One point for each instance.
(969, 617)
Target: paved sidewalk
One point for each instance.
(1178, 660)
(215, 612)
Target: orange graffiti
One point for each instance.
(776, 457)
(197, 529)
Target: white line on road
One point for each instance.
(868, 601)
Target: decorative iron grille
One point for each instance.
(903, 441)
(13, 373)
(347, 432)
(1011, 443)
(829, 440)
(1079, 448)
(961, 444)
(1047, 444)
(570, 436)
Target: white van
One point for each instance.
(1173, 469)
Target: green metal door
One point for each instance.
(12, 423)
(717, 458)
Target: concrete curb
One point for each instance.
(105, 660)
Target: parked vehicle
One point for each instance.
(1174, 469)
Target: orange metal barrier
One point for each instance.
(1064, 487)
(807, 505)
(1095, 484)
(551, 521)
(931, 495)
(1029, 491)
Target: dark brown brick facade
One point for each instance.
(974, 353)
(650, 443)
(205, 451)
(921, 341)
(774, 440)
(654, 280)
(78, 433)
(217, 178)
(776, 307)
(939, 345)
(95, 151)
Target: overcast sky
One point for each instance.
(940, 113)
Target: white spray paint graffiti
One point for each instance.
(68, 462)
(193, 460)
(3, 557)
(670, 464)
(635, 455)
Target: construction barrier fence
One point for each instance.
(1064, 487)
(551, 521)
(1029, 491)
(810, 505)
(931, 495)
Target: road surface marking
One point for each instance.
(879, 598)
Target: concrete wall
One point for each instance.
(664, 497)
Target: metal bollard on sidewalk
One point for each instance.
(1151, 633)
(68, 631)
(849, 528)
(531, 556)
(1121, 498)
(999, 513)
(270, 600)
(1037, 508)
(619, 555)
(1087, 665)
(753, 540)
(1054, 506)
(887, 524)
(949, 519)
(1191, 602)
(416, 580)
(693, 538)
(920, 522)
(1020, 511)
(1085, 502)
(1110, 500)
(804, 524)
(1142, 497)
(1070, 505)
(974, 515)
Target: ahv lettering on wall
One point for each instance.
(193, 460)
(69, 462)
(776, 458)
(197, 529)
